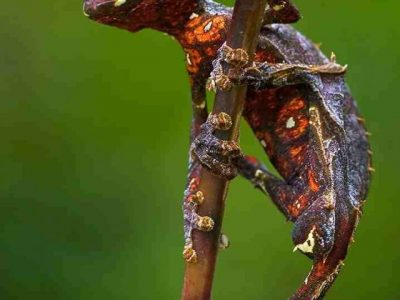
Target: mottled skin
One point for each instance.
(306, 121)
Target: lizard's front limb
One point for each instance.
(207, 151)
(193, 197)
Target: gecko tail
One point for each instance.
(325, 270)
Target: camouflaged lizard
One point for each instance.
(298, 107)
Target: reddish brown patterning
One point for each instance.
(306, 120)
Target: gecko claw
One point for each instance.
(237, 57)
(189, 254)
(204, 223)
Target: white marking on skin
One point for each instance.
(188, 59)
(208, 26)
(201, 105)
(84, 12)
(290, 123)
(258, 174)
(263, 143)
(278, 7)
(308, 245)
(193, 16)
(306, 281)
(119, 2)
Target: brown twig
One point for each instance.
(243, 33)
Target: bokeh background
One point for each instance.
(93, 152)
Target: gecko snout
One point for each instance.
(96, 9)
(92, 8)
(119, 13)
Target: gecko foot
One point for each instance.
(237, 58)
(215, 154)
(193, 199)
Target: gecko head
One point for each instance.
(133, 15)
(119, 13)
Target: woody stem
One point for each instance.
(243, 33)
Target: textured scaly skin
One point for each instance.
(310, 130)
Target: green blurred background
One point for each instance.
(93, 152)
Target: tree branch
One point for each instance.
(243, 33)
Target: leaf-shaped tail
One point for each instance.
(325, 270)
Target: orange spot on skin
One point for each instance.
(194, 23)
(312, 182)
(189, 36)
(252, 160)
(294, 151)
(195, 30)
(195, 59)
(302, 200)
(198, 31)
(297, 153)
(295, 110)
(211, 51)
(296, 104)
(300, 127)
(296, 208)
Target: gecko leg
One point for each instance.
(193, 197)
(311, 235)
(215, 154)
(192, 200)
(292, 199)
(265, 75)
(281, 193)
